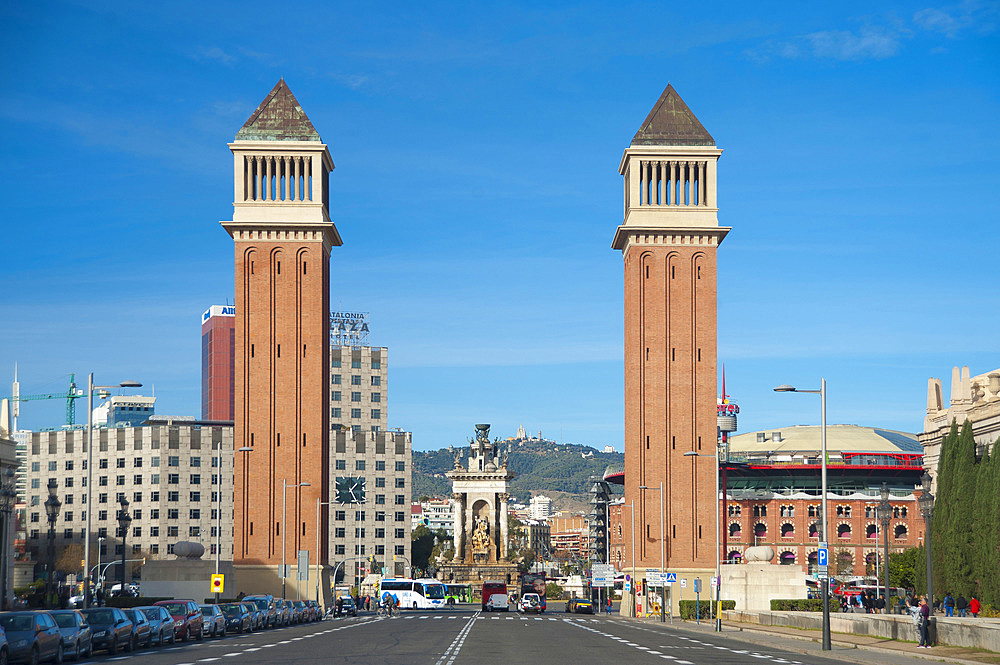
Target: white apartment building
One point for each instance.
(440, 515)
(370, 497)
(170, 473)
(540, 507)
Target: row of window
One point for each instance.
(359, 515)
(336, 396)
(336, 379)
(359, 532)
(356, 364)
(102, 532)
(120, 463)
(336, 412)
(843, 531)
(359, 465)
(360, 549)
(735, 510)
(172, 495)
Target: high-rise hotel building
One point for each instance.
(358, 376)
(218, 368)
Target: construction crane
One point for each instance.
(70, 396)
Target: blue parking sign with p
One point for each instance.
(822, 556)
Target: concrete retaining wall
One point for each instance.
(968, 632)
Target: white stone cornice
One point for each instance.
(629, 236)
(284, 232)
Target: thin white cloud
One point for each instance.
(867, 43)
(214, 53)
(952, 20)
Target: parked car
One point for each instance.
(188, 622)
(32, 637)
(257, 618)
(530, 602)
(142, 631)
(110, 627)
(315, 611)
(299, 613)
(266, 606)
(239, 619)
(347, 607)
(78, 639)
(284, 611)
(161, 624)
(580, 606)
(214, 620)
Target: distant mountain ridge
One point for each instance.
(542, 467)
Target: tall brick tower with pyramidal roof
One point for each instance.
(283, 235)
(668, 240)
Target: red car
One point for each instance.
(188, 620)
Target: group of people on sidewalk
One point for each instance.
(960, 605)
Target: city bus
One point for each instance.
(458, 593)
(422, 594)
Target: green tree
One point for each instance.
(421, 545)
(903, 567)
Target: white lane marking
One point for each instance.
(233, 654)
(206, 660)
(457, 643)
(253, 649)
(684, 662)
(655, 653)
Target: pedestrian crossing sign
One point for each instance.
(671, 578)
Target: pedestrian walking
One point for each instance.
(607, 605)
(949, 605)
(974, 606)
(925, 620)
(960, 605)
(880, 605)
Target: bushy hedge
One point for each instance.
(797, 605)
(129, 601)
(553, 591)
(703, 608)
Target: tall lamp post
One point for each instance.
(218, 512)
(8, 493)
(102, 391)
(926, 502)
(52, 506)
(663, 557)
(319, 563)
(884, 515)
(284, 531)
(822, 435)
(718, 560)
(124, 521)
(99, 582)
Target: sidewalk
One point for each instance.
(856, 648)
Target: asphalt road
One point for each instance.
(469, 637)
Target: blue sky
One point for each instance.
(477, 193)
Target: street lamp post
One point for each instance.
(124, 521)
(884, 515)
(718, 561)
(822, 435)
(663, 556)
(218, 512)
(8, 492)
(284, 531)
(90, 465)
(99, 580)
(52, 506)
(926, 502)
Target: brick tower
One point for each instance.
(282, 234)
(668, 241)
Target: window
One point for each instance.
(154, 479)
(338, 532)
(400, 550)
(379, 515)
(359, 549)
(335, 412)
(215, 461)
(154, 531)
(355, 413)
(137, 532)
(214, 516)
(355, 380)
(380, 499)
(380, 533)
(380, 549)
(399, 533)
(67, 533)
(760, 511)
(400, 499)
(359, 515)
(355, 364)
(399, 516)
(172, 532)
(376, 380)
(340, 465)
(376, 364)
(137, 514)
(340, 515)
(173, 496)
(155, 461)
(137, 462)
(68, 499)
(196, 479)
(359, 532)
(34, 517)
(119, 480)
(400, 482)
(380, 465)
(335, 363)
(359, 465)
(154, 496)
(68, 482)
(338, 549)
(102, 532)
(379, 482)
(102, 464)
(195, 461)
(154, 514)
(137, 479)
(376, 397)
(137, 497)
(173, 513)
(356, 397)
(376, 414)
(400, 466)
(69, 465)
(35, 500)
(335, 396)
(102, 497)
(35, 467)
(194, 514)
(120, 463)
(102, 481)
(195, 497)
(173, 461)
(336, 379)
(173, 479)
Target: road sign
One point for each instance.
(823, 556)
(715, 582)
(628, 586)
(303, 567)
(671, 578)
(697, 585)
(218, 583)
(684, 582)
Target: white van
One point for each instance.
(498, 603)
